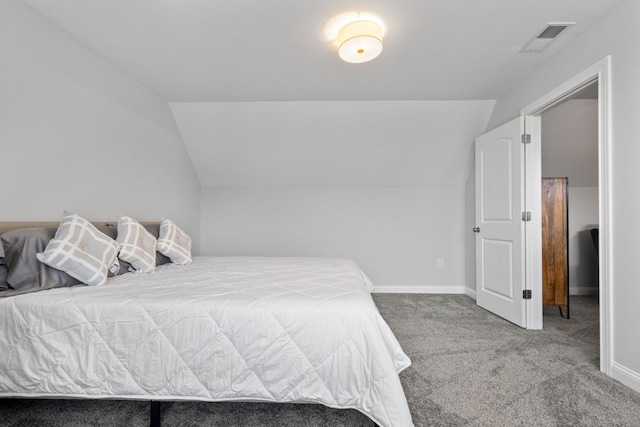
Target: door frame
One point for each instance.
(600, 72)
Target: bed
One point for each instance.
(302, 330)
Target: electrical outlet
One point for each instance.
(440, 262)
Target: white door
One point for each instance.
(500, 231)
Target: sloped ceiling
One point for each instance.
(256, 50)
(244, 80)
(331, 143)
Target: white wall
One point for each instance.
(469, 236)
(380, 182)
(583, 257)
(570, 142)
(396, 234)
(617, 35)
(79, 134)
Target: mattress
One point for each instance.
(221, 329)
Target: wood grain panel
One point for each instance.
(555, 273)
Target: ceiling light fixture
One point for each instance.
(360, 41)
(357, 35)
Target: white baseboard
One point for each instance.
(418, 290)
(390, 289)
(626, 376)
(572, 291)
(583, 291)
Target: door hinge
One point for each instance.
(526, 138)
(526, 294)
(526, 216)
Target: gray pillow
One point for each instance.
(3, 271)
(24, 272)
(3, 276)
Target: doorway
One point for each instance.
(595, 76)
(569, 149)
(569, 157)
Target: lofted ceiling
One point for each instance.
(256, 50)
(261, 98)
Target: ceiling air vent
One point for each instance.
(546, 36)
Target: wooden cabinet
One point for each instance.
(555, 244)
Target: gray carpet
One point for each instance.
(470, 368)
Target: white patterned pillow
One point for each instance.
(174, 243)
(81, 251)
(138, 245)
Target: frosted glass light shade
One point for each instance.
(360, 41)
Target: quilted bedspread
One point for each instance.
(222, 328)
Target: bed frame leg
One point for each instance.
(154, 414)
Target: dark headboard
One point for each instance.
(14, 225)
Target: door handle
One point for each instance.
(476, 229)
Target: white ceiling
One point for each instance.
(256, 50)
(217, 61)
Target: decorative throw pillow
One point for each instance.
(81, 251)
(138, 246)
(111, 230)
(174, 243)
(154, 228)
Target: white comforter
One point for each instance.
(251, 329)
